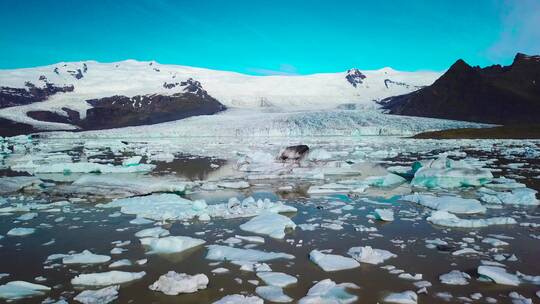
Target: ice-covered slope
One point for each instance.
(91, 80)
(317, 104)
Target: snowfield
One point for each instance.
(318, 104)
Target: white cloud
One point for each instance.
(521, 30)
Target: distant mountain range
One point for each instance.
(90, 95)
(495, 94)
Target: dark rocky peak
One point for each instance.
(194, 87)
(170, 85)
(77, 74)
(43, 78)
(355, 77)
(85, 68)
(523, 58)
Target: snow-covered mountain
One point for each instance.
(60, 96)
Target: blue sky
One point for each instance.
(269, 37)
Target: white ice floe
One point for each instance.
(519, 299)
(222, 253)
(519, 196)
(20, 231)
(444, 218)
(370, 255)
(271, 224)
(239, 299)
(154, 232)
(386, 215)
(273, 294)
(87, 167)
(251, 239)
(498, 275)
(15, 290)
(451, 204)
(278, 279)
(132, 161)
(126, 185)
(328, 292)
(406, 297)
(173, 283)
(494, 242)
(85, 257)
(120, 263)
(332, 262)
(169, 207)
(389, 180)
(446, 173)
(106, 278)
(27, 216)
(99, 296)
(455, 277)
(170, 244)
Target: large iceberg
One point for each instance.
(271, 224)
(451, 204)
(328, 292)
(226, 253)
(444, 218)
(106, 278)
(173, 283)
(170, 207)
(446, 173)
(15, 290)
(498, 275)
(99, 296)
(171, 244)
(370, 255)
(239, 299)
(332, 262)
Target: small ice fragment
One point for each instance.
(100, 296)
(332, 262)
(173, 283)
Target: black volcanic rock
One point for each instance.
(10, 97)
(114, 111)
(495, 94)
(122, 111)
(355, 77)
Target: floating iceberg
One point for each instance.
(327, 291)
(21, 231)
(451, 204)
(169, 207)
(386, 215)
(100, 296)
(455, 277)
(406, 297)
(369, 255)
(271, 224)
(278, 279)
(173, 283)
(85, 257)
(446, 173)
(273, 294)
(154, 232)
(106, 278)
(389, 180)
(170, 244)
(498, 275)
(444, 218)
(86, 167)
(332, 262)
(239, 299)
(122, 186)
(15, 290)
(226, 253)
